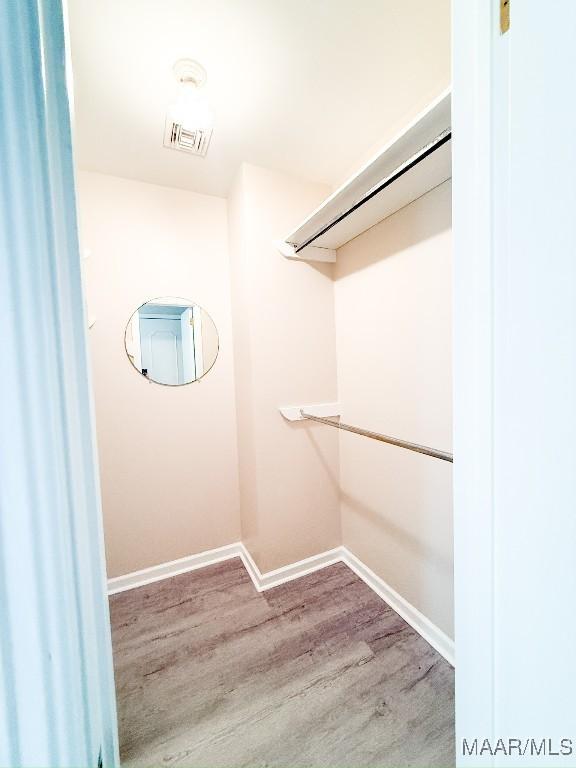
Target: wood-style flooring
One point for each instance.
(317, 672)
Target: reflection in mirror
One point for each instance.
(171, 341)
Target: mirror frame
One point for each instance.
(188, 303)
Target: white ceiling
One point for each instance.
(306, 86)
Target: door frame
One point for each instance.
(473, 227)
(57, 699)
(514, 379)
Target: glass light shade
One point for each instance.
(191, 111)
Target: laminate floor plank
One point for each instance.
(318, 672)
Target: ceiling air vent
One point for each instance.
(194, 142)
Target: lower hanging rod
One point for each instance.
(444, 455)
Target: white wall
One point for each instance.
(393, 330)
(168, 455)
(285, 354)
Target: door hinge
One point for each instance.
(504, 16)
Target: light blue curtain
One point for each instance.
(57, 704)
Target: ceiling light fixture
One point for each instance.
(189, 119)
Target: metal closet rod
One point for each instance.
(404, 168)
(444, 455)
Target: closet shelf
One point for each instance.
(414, 162)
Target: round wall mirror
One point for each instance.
(171, 341)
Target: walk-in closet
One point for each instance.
(270, 338)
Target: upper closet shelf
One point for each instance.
(414, 162)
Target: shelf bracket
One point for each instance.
(310, 253)
(325, 410)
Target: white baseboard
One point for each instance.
(174, 568)
(425, 628)
(263, 581)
